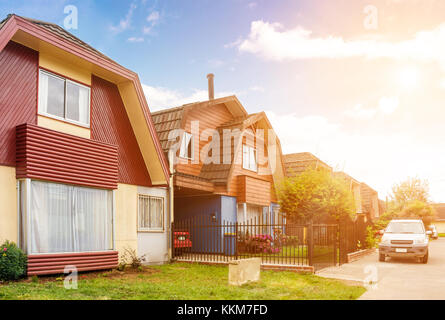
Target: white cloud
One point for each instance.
(388, 104)
(135, 39)
(361, 113)
(125, 23)
(233, 44)
(272, 41)
(153, 17)
(161, 98)
(215, 63)
(146, 30)
(257, 88)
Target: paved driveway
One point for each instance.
(397, 278)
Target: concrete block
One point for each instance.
(244, 270)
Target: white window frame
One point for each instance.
(145, 229)
(183, 149)
(64, 118)
(248, 162)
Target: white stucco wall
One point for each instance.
(155, 244)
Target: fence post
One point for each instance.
(336, 238)
(236, 240)
(310, 240)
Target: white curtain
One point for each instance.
(43, 93)
(156, 213)
(69, 219)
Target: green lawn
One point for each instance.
(182, 281)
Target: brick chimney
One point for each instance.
(210, 77)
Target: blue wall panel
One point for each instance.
(195, 215)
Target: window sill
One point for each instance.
(186, 158)
(67, 121)
(151, 231)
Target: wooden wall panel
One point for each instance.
(253, 191)
(209, 118)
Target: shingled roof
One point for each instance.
(296, 163)
(59, 31)
(165, 121)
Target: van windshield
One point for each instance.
(405, 227)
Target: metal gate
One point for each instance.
(323, 245)
(352, 237)
(203, 239)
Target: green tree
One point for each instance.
(315, 195)
(410, 198)
(410, 190)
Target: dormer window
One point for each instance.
(63, 99)
(249, 158)
(187, 149)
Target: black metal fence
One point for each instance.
(203, 239)
(352, 236)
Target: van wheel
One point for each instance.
(382, 257)
(425, 258)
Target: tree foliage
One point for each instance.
(410, 199)
(412, 189)
(314, 195)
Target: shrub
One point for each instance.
(260, 243)
(12, 262)
(371, 239)
(281, 239)
(130, 258)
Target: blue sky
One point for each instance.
(367, 100)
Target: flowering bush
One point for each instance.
(12, 261)
(284, 240)
(260, 243)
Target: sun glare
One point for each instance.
(408, 77)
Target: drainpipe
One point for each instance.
(171, 205)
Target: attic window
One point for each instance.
(187, 149)
(249, 158)
(63, 99)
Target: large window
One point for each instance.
(151, 213)
(64, 218)
(187, 149)
(63, 99)
(249, 158)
